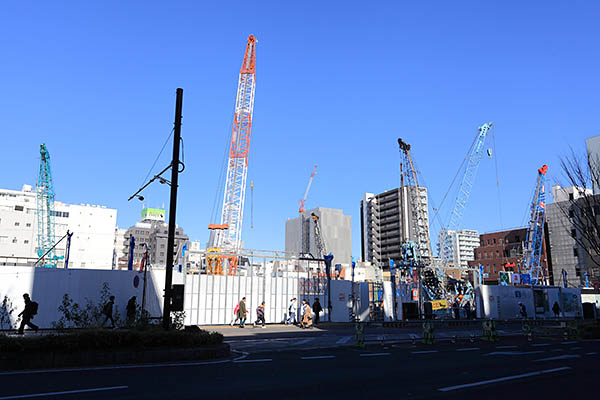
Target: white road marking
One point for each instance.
(505, 378)
(571, 342)
(254, 361)
(304, 341)
(316, 357)
(541, 344)
(513, 353)
(374, 354)
(592, 353)
(28, 396)
(468, 349)
(425, 352)
(343, 340)
(563, 357)
(506, 347)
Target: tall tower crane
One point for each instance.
(45, 211)
(228, 233)
(532, 250)
(304, 221)
(464, 192)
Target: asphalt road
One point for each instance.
(513, 368)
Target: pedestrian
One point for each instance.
(316, 308)
(234, 320)
(556, 309)
(260, 314)
(456, 309)
(131, 309)
(292, 312)
(468, 309)
(107, 310)
(242, 312)
(31, 309)
(306, 315)
(522, 310)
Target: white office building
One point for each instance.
(93, 228)
(462, 244)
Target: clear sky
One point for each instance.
(337, 84)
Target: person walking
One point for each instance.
(556, 309)
(456, 309)
(31, 309)
(467, 308)
(292, 312)
(131, 309)
(306, 315)
(316, 308)
(260, 315)
(242, 312)
(522, 310)
(234, 320)
(107, 310)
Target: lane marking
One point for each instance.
(316, 357)
(374, 354)
(513, 353)
(304, 341)
(254, 361)
(563, 357)
(506, 347)
(541, 344)
(468, 349)
(571, 342)
(343, 340)
(591, 353)
(425, 352)
(26, 396)
(576, 348)
(505, 378)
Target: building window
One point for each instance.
(26, 241)
(495, 268)
(570, 196)
(494, 241)
(14, 240)
(17, 224)
(18, 208)
(162, 253)
(3, 239)
(500, 241)
(574, 233)
(28, 225)
(517, 238)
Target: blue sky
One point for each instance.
(337, 84)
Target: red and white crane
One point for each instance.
(312, 176)
(228, 234)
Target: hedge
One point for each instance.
(109, 340)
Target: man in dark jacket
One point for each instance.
(108, 310)
(131, 308)
(28, 313)
(316, 310)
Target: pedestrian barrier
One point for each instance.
(359, 334)
(572, 330)
(489, 332)
(396, 324)
(428, 332)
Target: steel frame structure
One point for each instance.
(532, 249)
(464, 192)
(45, 211)
(229, 235)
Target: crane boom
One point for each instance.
(45, 211)
(314, 172)
(228, 233)
(464, 192)
(532, 250)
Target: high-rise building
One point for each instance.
(336, 232)
(151, 233)
(384, 224)
(568, 255)
(93, 228)
(462, 245)
(593, 151)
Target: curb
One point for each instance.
(17, 360)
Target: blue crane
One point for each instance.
(45, 212)
(532, 249)
(464, 192)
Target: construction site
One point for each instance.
(398, 277)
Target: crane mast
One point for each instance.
(532, 249)
(228, 233)
(314, 172)
(464, 192)
(45, 211)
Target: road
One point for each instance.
(513, 367)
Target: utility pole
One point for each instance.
(172, 211)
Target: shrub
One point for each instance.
(98, 339)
